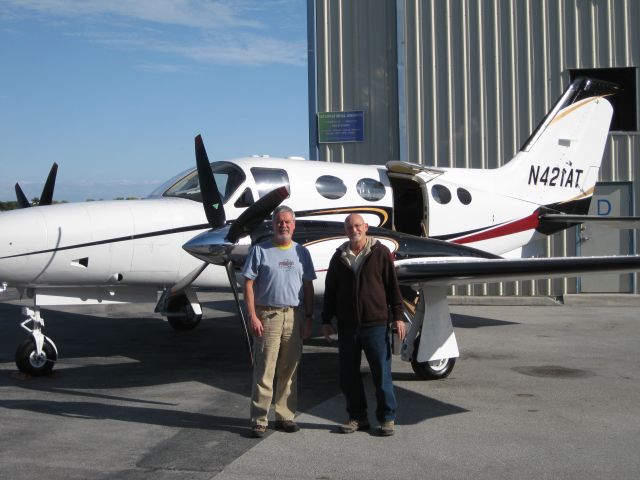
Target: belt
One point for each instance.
(275, 309)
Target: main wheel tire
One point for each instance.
(180, 314)
(431, 370)
(28, 361)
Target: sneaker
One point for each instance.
(288, 426)
(386, 429)
(258, 431)
(354, 425)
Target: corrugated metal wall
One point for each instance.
(475, 78)
(356, 65)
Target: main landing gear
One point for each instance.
(430, 343)
(37, 354)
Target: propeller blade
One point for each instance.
(256, 213)
(211, 200)
(47, 191)
(23, 202)
(232, 281)
(189, 279)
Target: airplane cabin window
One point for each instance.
(464, 196)
(370, 189)
(228, 178)
(330, 187)
(244, 200)
(268, 179)
(441, 194)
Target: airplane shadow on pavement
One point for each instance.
(99, 354)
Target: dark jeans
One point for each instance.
(377, 348)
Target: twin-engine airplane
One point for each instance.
(445, 226)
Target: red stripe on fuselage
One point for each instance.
(527, 223)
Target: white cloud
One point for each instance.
(190, 13)
(243, 49)
(160, 68)
(242, 32)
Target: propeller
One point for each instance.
(231, 275)
(46, 198)
(23, 201)
(213, 208)
(220, 244)
(256, 213)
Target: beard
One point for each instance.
(282, 237)
(356, 237)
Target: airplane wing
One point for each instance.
(465, 271)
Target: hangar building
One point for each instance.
(463, 83)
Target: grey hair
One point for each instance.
(282, 209)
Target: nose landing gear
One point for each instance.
(37, 354)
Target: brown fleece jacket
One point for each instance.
(363, 298)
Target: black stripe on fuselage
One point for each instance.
(308, 232)
(159, 233)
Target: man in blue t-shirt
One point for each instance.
(278, 292)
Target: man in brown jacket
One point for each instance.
(362, 292)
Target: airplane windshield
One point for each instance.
(228, 179)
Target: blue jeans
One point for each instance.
(377, 348)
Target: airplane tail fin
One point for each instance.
(558, 165)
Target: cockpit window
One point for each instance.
(268, 179)
(330, 187)
(228, 178)
(370, 189)
(159, 191)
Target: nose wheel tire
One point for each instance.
(28, 361)
(181, 316)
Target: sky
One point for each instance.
(115, 91)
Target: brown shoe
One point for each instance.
(387, 428)
(288, 426)
(258, 431)
(354, 425)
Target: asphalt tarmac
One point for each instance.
(539, 392)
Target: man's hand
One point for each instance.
(399, 326)
(327, 331)
(256, 326)
(307, 326)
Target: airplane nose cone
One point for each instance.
(210, 246)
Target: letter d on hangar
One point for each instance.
(604, 207)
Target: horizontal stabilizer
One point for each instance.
(616, 222)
